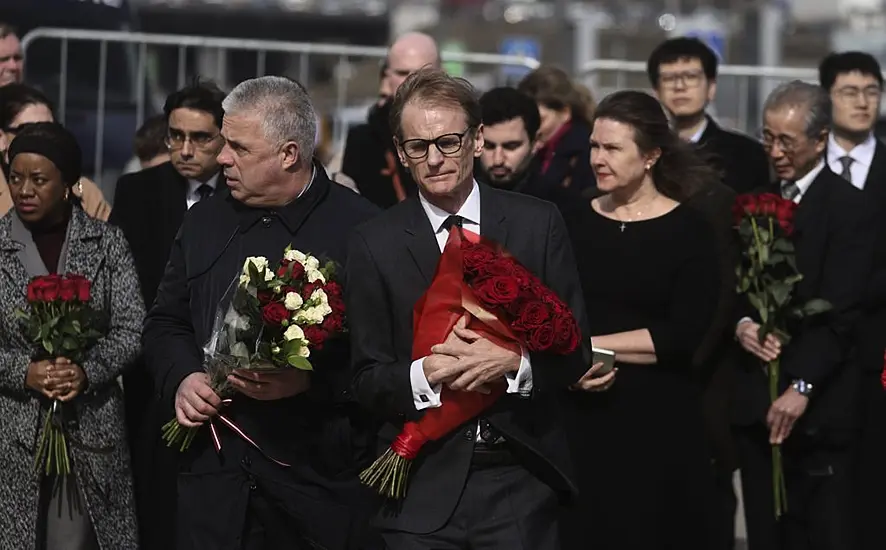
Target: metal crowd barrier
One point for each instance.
(146, 90)
(741, 89)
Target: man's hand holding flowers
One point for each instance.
(270, 386)
(195, 402)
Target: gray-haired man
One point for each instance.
(812, 418)
(238, 498)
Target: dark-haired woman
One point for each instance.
(566, 108)
(650, 275)
(20, 105)
(45, 234)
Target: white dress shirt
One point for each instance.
(423, 395)
(193, 196)
(862, 156)
(700, 132)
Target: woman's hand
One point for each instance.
(66, 380)
(592, 383)
(748, 334)
(37, 377)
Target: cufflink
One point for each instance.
(424, 398)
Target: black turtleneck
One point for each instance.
(49, 239)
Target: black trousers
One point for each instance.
(819, 494)
(870, 472)
(501, 507)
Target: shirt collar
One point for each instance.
(470, 210)
(290, 214)
(193, 185)
(696, 137)
(805, 182)
(863, 153)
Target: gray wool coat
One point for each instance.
(99, 456)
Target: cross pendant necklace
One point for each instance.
(622, 227)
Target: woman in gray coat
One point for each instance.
(47, 233)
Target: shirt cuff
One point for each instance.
(521, 381)
(743, 320)
(423, 395)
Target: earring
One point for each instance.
(67, 194)
(649, 167)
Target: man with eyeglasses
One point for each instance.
(149, 207)
(813, 419)
(683, 72)
(496, 482)
(855, 83)
(12, 60)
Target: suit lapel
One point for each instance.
(9, 253)
(421, 241)
(492, 217)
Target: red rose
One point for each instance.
(551, 299)
(567, 336)
(542, 338)
(67, 290)
(32, 292)
(309, 289)
(274, 314)
(316, 336)
(50, 287)
(475, 256)
(533, 314)
(298, 271)
(744, 204)
(333, 324)
(282, 272)
(497, 290)
(265, 297)
(337, 304)
(785, 215)
(332, 288)
(523, 276)
(502, 266)
(767, 204)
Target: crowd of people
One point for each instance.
(624, 209)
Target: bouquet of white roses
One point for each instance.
(274, 319)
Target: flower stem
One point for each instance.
(779, 488)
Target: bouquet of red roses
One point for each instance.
(767, 275)
(273, 318)
(59, 323)
(507, 304)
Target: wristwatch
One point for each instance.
(802, 387)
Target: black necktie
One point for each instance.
(453, 220)
(204, 191)
(846, 163)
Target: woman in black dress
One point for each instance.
(650, 277)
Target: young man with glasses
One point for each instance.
(683, 72)
(149, 207)
(855, 83)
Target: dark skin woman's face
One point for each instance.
(37, 189)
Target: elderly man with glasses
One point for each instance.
(149, 206)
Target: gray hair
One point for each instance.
(796, 94)
(284, 107)
(7, 30)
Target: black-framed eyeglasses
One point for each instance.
(447, 144)
(689, 79)
(852, 93)
(787, 144)
(176, 140)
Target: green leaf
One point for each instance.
(757, 303)
(783, 245)
(47, 345)
(70, 344)
(299, 362)
(781, 293)
(815, 307)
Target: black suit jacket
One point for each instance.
(872, 328)
(149, 207)
(834, 245)
(391, 263)
(314, 432)
(740, 159)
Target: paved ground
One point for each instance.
(740, 533)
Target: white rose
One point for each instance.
(294, 332)
(304, 351)
(260, 262)
(295, 256)
(312, 263)
(293, 301)
(268, 275)
(310, 316)
(319, 296)
(314, 276)
(244, 279)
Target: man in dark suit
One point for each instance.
(683, 72)
(239, 497)
(813, 418)
(494, 482)
(370, 158)
(149, 207)
(854, 81)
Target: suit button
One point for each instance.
(246, 462)
(469, 435)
